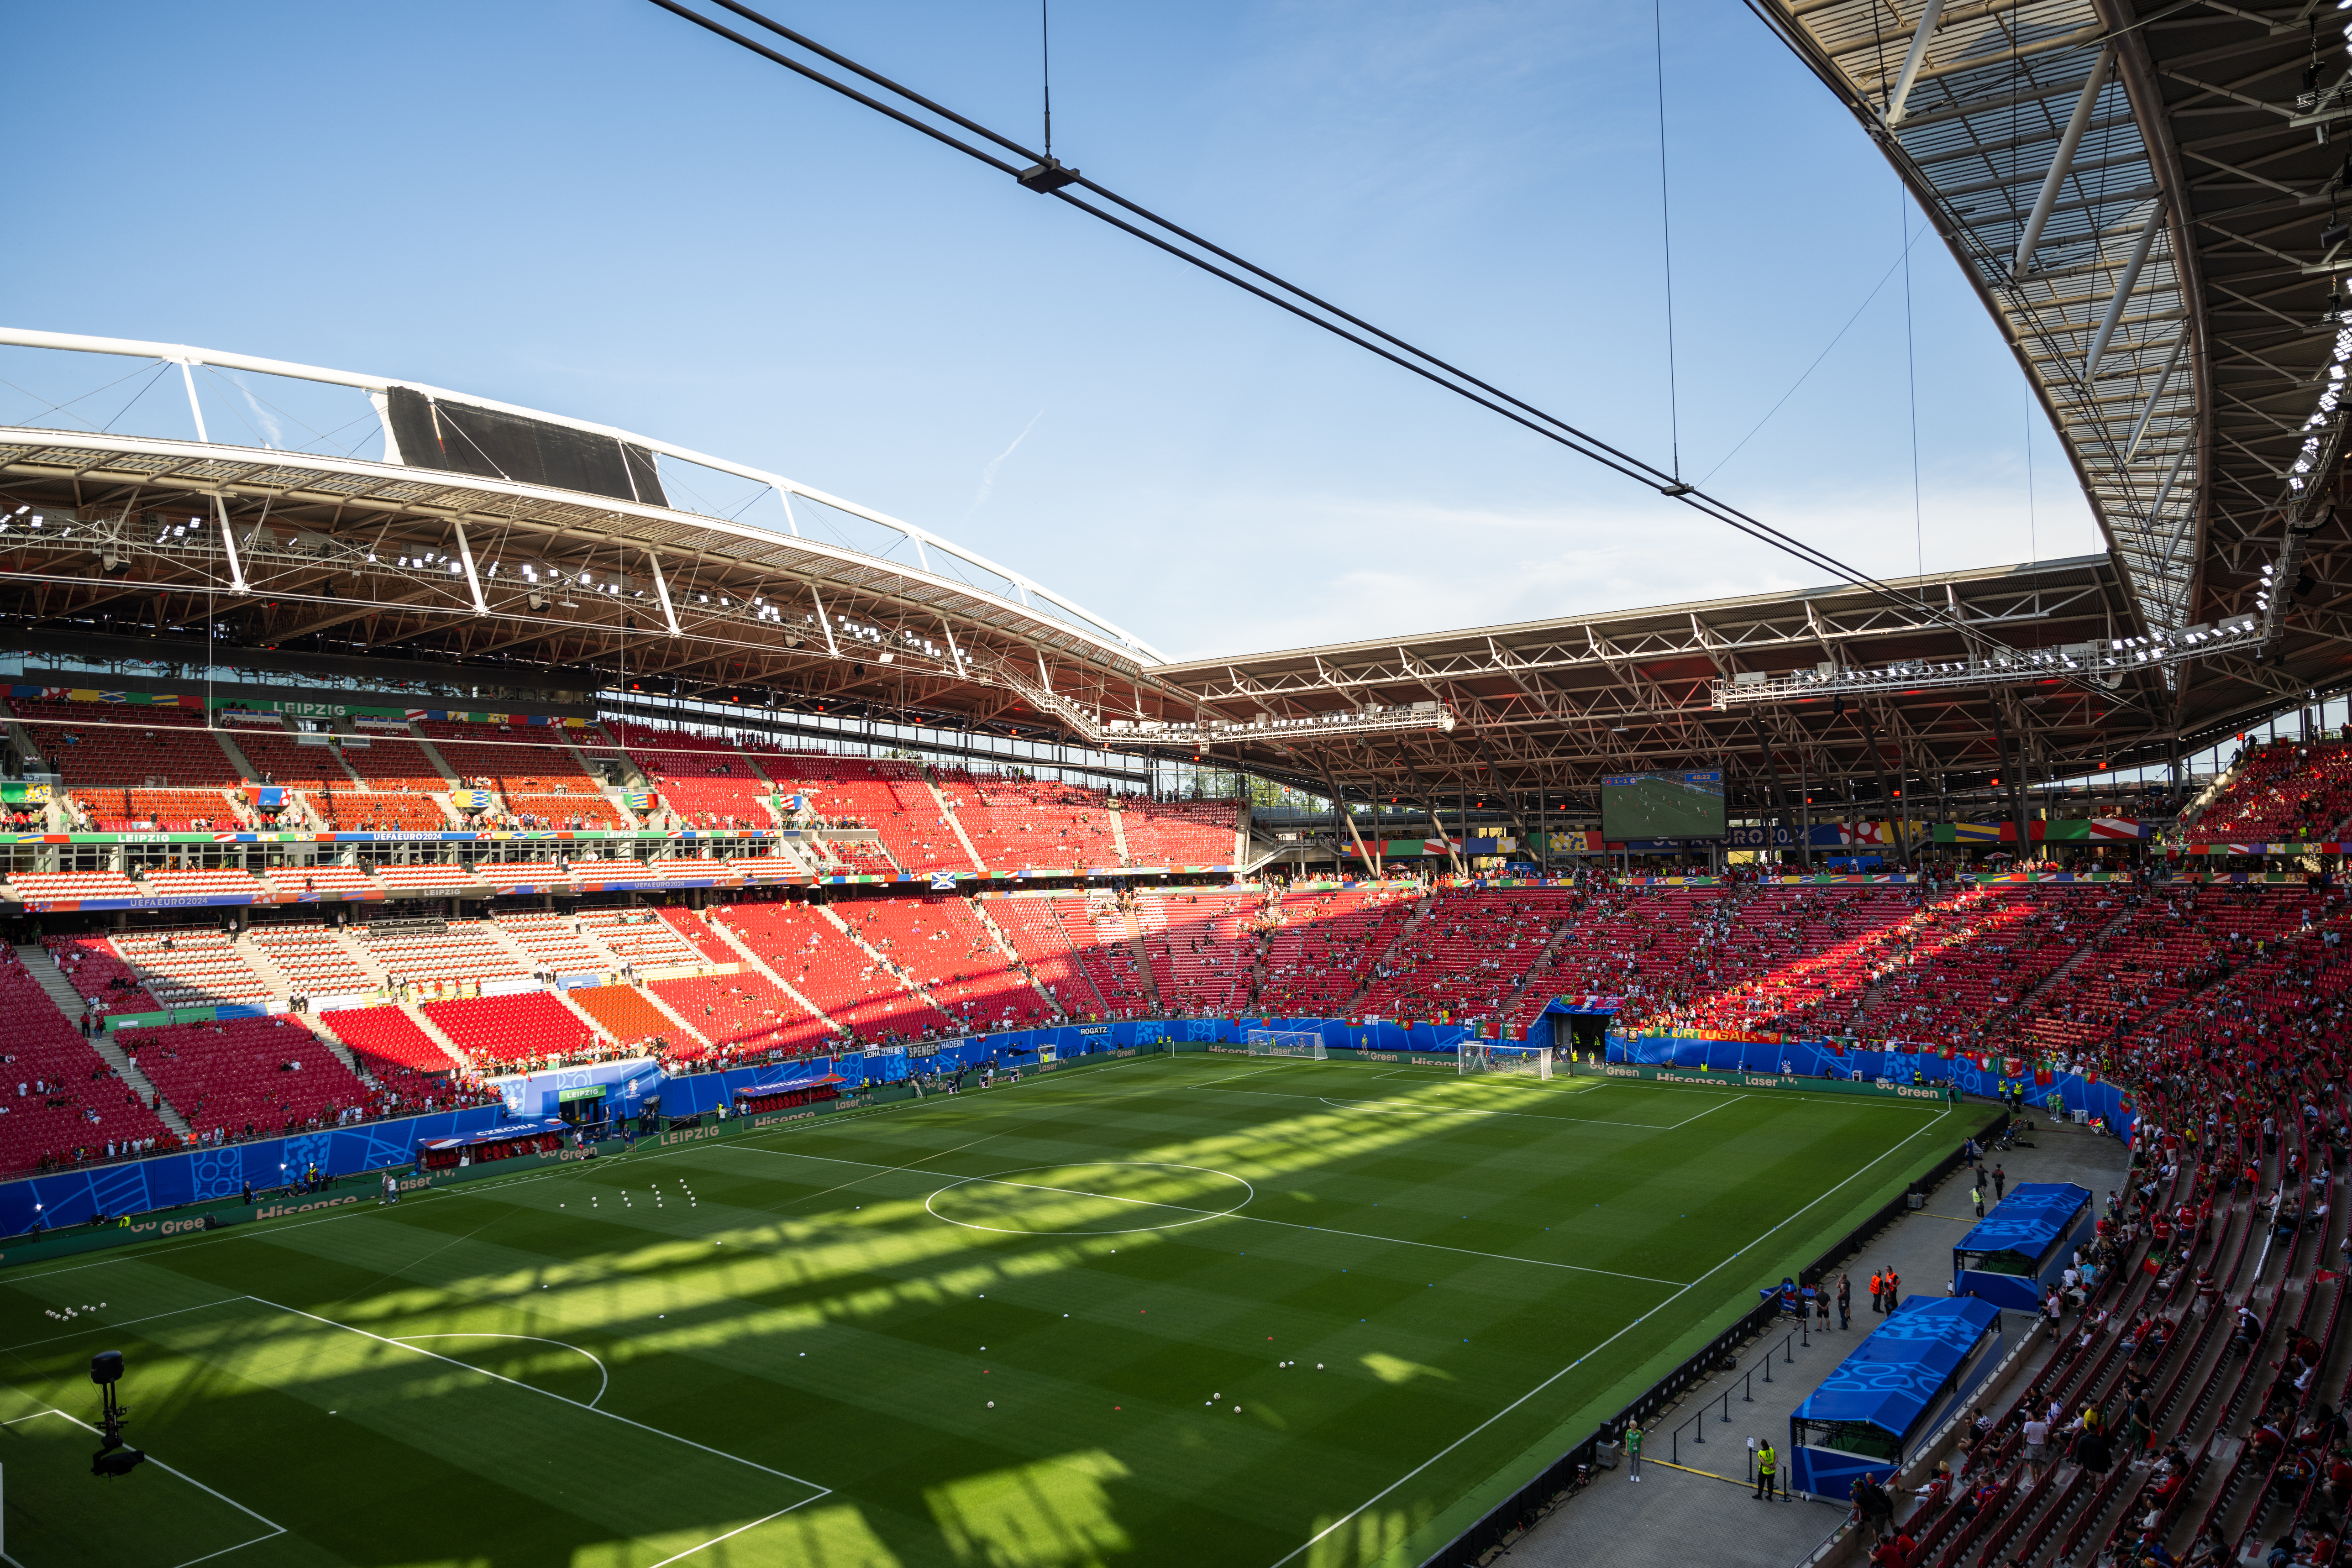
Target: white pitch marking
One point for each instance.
(1112, 1198)
(605, 1378)
(1710, 1111)
(275, 1529)
(1572, 1366)
(545, 1393)
(175, 1312)
(1398, 1107)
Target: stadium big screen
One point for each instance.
(1661, 805)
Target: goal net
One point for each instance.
(1287, 1042)
(1533, 1061)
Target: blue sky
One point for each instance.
(597, 209)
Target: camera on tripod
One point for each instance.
(114, 1456)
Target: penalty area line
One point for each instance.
(275, 1529)
(549, 1394)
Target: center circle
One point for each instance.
(1102, 1198)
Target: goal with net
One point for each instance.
(1532, 1060)
(1287, 1042)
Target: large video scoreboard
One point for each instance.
(1661, 805)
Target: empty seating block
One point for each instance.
(704, 779)
(1019, 824)
(365, 812)
(248, 1077)
(512, 1030)
(544, 785)
(1029, 924)
(135, 768)
(1096, 932)
(427, 877)
(310, 769)
(314, 959)
(57, 1097)
(215, 883)
(743, 1014)
(623, 1012)
(387, 1034)
(816, 958)
(1323, 948)
(1176, 833)
(464, 951)
(509, 875)
(98, 975)
(637, 937)
(187, 966)
(299, 880)
(707, 944)
(855, 857)
(391, 762)
(1202, 947)
(397, 786)
(59, 884)
(943, 945)
(279, 757)
(552, 944)
(883, 794)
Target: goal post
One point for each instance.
(1295, 1043)
(1527, 1060)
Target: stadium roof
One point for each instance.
(2144, 196)
(485, 537)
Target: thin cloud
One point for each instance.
(988, 474)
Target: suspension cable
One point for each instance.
(1052, 179)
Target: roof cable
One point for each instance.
(1048, 177)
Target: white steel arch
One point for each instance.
(186, 357)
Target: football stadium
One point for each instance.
(1830, 1075)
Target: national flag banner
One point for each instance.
(639, 800)
(470, 800)
(2010, 1066)
(2115, 828)
(2324, 1276)
(943, 882)
(268, 797)
(1976, 832)
(2043, 1078)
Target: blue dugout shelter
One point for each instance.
(2019, 1250)
(1895, 1388)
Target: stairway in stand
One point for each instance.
(416, 1015)
(325, 1031)
(1142, 958)
(53, 984)
(1387, 953)
(940, 800)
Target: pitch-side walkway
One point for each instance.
(1707, 1513)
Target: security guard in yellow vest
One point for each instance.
(1766, 1465)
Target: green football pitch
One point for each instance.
(1169, 1309)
